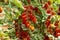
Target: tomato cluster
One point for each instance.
(24, 35)
(57, 32)
(49, 9)
(28, 15)
(19, 31)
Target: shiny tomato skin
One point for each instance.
(46, 6)
(34, 19)
(1, 9)
(57, 34)
(57, 30)
(49, 2)
(28, 1)
(27, 24)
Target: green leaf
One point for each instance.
(18, 4)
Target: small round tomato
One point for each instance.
(34, 19)
(46, 6)
(17, 34)
(49, 17)
(28, 1)
(27, 24)
(31, 7)
(23, 16)
(49, 2)
(51, 8)
(30, 16)
(52, 13)
(48, 11)
(1, 9)
(47, 22)
(56, 23)
(57, 30)
(30, 11)
(24, 35)
(36, 9)
(57, 34)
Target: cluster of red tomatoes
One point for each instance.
(20, 33)
(51, 13)
(57, 30)
(28, 16)
(48, 8)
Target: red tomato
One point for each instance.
(24, 35)
(30, 11)
(49, 17)
(24, 22)
(48, 11)
(34, 19)
(52, 13)
(36, 9)
(46, 37)
(58, 34)
(57, 30)
(30, 16)
(56, 23)
(17, 34)
(1, 9)
(47, 22)
(46, 6)
(28, 1)
(49, 2)
(23, 15)
(27, 24)
(31, 7)
(51, 8)
(25, 19)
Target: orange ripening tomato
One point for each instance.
(1, 9)
(32, 28)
